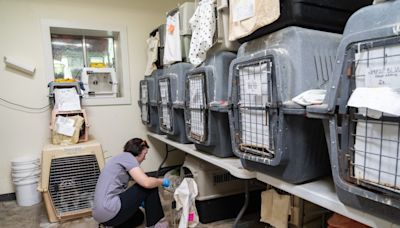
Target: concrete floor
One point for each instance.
(14, 216)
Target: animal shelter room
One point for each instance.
(200, 113)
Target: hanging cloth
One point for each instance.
(152, 53)
(173, 49)
(203, 29)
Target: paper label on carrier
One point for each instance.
(243, 10)
(387, 76)
(67, 99)
(144, 93)
(163, 91)
(65, 126)
(253, 86)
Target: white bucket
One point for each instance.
(25, 160)
(27, 193)
(25, 174)
(24, 167)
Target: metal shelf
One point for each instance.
(321, 192)
(232, 165)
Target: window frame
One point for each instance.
(118, 32)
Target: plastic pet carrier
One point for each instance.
(171, 95)
(325, 15)
(186, 11)
(63, 85)
(221, 36)
(270, 133)
(79, 122)
(161, 35)
(218, 191)
(148, 101)
(68, 179)
(362, 130)
(206, 112)
(99, 82)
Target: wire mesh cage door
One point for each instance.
(197, 107)
(72, 182)
(256, 108)
(165, 104)
(370, 142)
(144, 102)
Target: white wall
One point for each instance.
(21, 37)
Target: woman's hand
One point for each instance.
(165, 183)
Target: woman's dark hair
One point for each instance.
(135, 146)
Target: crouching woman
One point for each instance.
(117, 205)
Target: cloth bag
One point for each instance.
(275, 208)
(185, 196)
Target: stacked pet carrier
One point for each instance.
(71, 164)
(178, 34)
(171, 98)
(159, 35)
(148, 101)
(271, 133)
(99, 82)
(361, 112)
(220, 39)
(68, 179)
(252, 19)
(210, 30)
(220, 195)
(206, 111)
(69, 123)
(207, 103)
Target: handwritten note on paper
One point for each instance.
(65, 126)
(67, 99)
(387, 76)
(379, 66)
(163, 90)
(253, 86)
(244, 9)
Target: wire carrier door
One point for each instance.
(144, 100)
(372, 139)
(197, 107)
(165, 104)
(255, 105)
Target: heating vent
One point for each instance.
(222, 178)
(212, 181)
(72, 183)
